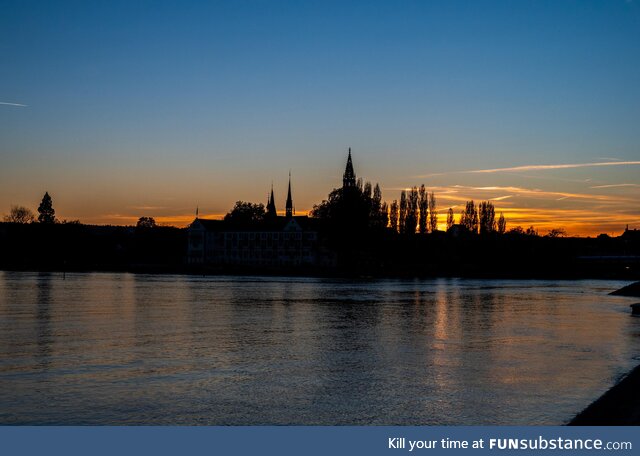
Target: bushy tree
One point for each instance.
(146, 222)
(20, 214)
(353, 209)
(45, 210)
(245, 213)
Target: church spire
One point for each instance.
(349, 177)
(289, 208)
(271, 205)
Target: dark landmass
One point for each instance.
(620, 406)
(630, 290)
(78, 247)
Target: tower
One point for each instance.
(289, 208)
(349, 177)
(271, 205)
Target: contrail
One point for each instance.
(562, 166)
(20, 105)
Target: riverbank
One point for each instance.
(620, 406)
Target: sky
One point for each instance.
(123, 109)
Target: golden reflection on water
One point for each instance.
(139, 349)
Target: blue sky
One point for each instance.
(151, 108)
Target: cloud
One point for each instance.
(148, 208)
(616, 185)
(559, 166)
(19, 105)
(462, 192)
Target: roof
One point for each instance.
(279, 223)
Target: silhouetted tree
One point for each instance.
(450, 219)
(502, 224)
(531, 231)
(393, 216)
(366, 190)
(19, 214)
(487, 217)
(402, 216)
(146, 222)
(45, 210)
(469, 217)
(384, 215)
(353, 209)
(246, 213)
(411, 220)
(423, 206)
(378, 214)
(556, 232)
(433, 213)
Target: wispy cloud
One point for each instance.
(512, 169)
(616, 185)
(19, 105)
(148, 208)
(558, 166)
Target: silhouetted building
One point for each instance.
(276, 241)
(631, 235)
(280, 241)
(271, 206)
(289, 206)
(349, 176)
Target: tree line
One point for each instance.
(21, 214)
(415, 213)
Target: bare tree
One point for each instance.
(423, 205)
(393, 216)
(487, 217)
(411, 220)
(402, 216)
(20, 214)
(433, 213)
(366, 191)
(384, 215)
(469, 217)
(450, 219)
(557, 232)
(502, 224)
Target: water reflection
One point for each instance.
(43, 320)
(139, 349)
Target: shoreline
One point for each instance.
(619, 406)
(336, 273)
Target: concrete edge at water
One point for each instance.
(619, 406)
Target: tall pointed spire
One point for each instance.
(289, 208)
(271, 205)
(349, 177)
(197, 211)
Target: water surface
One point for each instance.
(142, 349)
